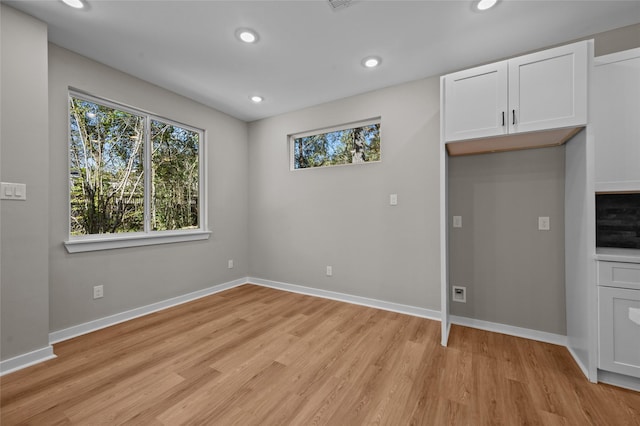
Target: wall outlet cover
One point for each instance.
(459, 294)
(544, 223)
(13, 191)
(457, 221)
(98, 292)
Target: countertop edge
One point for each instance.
(617, 255)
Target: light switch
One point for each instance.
(20, 191)
(457, 221)
(7, 190)
(393, 199)
(13, 191)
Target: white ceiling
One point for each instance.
(308, 53)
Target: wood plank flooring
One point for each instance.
(258, 356)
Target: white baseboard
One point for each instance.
(348, 298)
(445, 341)
(88, 327)
(541, 336)
(619, 380)
(578, 361)
(26, 360)
(44, 354)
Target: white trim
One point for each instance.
(78, 330)
(616, 57)
(40, 355)
(625, 186)
(620, 380)
(105, 101)
(578, 361)
(88, 327)
(444, 226)
(95, 242)
(80, 245)
(540, 336)
(26, 360)
(348, 298)
(44, 354)
(345, 126)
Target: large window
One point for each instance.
(349, 144)
(131, 173)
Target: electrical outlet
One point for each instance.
(457, 221)
(230, 264)
(393, 199)
(329, 271)
(98, 292)
(543, 223)
(459, 294)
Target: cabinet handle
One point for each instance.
(502, 118)
(514, 117)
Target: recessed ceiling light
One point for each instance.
(256, 99)
(483, 5)
(76, 4)
(247, 35)
(371, 61)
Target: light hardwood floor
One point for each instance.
(257, 356)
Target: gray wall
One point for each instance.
(24, 159)
(617, 40)
(514, 273)
(301, 221)
(139, 276)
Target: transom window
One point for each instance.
(131, 172)
(353, 143)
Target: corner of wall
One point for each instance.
(24, 159)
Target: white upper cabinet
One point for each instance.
(548, 90)
(476, 102)
(540, 91)
(616, 121)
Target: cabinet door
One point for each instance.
(619, 323)
(548, 89)
(475, 102)
(616, 121)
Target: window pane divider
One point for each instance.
(148, 152)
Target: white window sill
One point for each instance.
(102, 242)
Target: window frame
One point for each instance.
(95, 242)
(351, 125)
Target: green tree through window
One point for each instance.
(174, 199)
(346, 146)
(116, 185)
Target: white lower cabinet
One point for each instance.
(619, 334)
